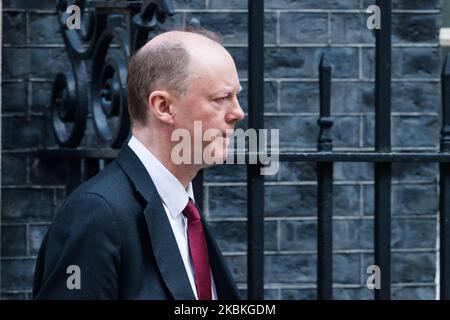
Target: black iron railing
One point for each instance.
(126, 26)
(255, 181)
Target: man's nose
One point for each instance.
(236, 114)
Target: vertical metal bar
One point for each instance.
(325, 98)
(73, 174)
(382, 234)
(324, 230)
(444, 185)
(197, 184)
(135, 38)
(91, 167)
(255, 181)
(325, 190)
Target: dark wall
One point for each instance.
(297, 32)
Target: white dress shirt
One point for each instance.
(175, 199)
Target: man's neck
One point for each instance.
(162, 151)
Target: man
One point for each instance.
(133, 231)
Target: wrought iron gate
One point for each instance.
(115, 29)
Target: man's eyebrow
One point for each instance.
(228, 91)
(237, 92)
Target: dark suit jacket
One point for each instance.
(115, 229)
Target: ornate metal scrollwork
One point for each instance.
(109, 47)
(153, 12)
(69, 105)
(108, 87)
(80, 42)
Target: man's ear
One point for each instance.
(160, 104)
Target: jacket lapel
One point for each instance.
(165, 248)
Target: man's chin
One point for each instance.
(215, 159)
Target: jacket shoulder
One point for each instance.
(108, 184)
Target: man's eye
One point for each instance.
(222, 99)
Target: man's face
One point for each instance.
(211, 100)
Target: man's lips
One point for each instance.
(225, 135)
(224, 138)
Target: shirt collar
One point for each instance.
(169, 188)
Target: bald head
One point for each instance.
(168, 62)
(185, 37)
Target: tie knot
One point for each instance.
(191, 212)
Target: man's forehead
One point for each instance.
(215, 80)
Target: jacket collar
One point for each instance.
(169, 188)
(163, 241)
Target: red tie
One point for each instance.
(199, 251)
